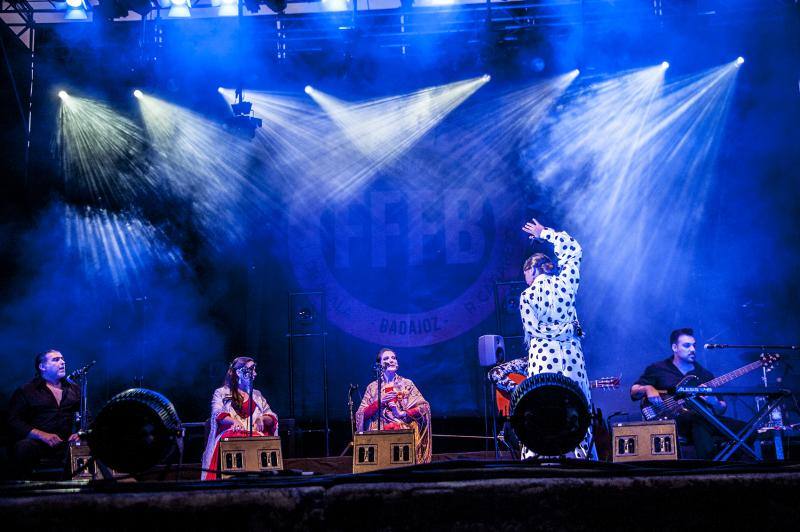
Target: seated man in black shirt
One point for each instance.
(663, 376)
(42, 413)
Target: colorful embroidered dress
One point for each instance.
(411, 402)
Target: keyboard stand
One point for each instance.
(736, 441)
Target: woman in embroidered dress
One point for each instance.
(232, 408)
(402, 406)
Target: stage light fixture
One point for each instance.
(63, 95)
(76, 10)
(665, 65)
(242, 108)
(550, 414)
(334, 5)
(180, 9)
(112, 9)
(243, 123)
(308, 89)
(739, 60)
(136, 430)
(277, 6)
(487, 77)
(228, 8)
(137, 93)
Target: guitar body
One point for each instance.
(668, 409)
(503, 399)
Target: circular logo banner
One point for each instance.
(406, 262)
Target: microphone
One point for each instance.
(715, 346)
(80, 372)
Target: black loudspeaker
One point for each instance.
(491, 350)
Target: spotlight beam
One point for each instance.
(619, 151)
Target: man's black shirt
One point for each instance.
(664, 375)
(34, 406)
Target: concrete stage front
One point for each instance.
(459, 494)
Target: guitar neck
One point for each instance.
(722, 379)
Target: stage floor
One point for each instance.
(444, 495)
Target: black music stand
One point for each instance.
(735, 441)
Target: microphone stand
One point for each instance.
(379, 377)
(761, 347)
(353, 427)
(82, 419)
(83, 410)
(252, 400)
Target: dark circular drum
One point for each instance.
(549, 413)
(135, 430)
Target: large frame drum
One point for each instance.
(549, 413)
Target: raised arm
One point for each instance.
(567, 250)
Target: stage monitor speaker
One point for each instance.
(384, 449)
(251, 455)
(79, 456)
(491, 350)
(644, 440)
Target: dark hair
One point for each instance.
(41, 358)
(232, 379)
(539, 262)
(382, 351)
(685, 331)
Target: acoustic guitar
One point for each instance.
(671, 407)
(503, 399)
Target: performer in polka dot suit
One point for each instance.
(547, 309)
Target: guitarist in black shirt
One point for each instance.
(663, 376)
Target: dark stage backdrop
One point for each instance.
(201, 263)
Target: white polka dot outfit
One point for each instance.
(547, 309)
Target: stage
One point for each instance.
(459, 494)
(323, 219)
